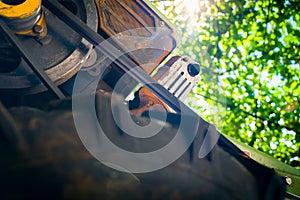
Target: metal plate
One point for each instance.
(139, 30)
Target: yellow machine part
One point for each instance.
(19, 11)
(24, 10)
(40, 35)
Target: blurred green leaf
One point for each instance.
(250, 84)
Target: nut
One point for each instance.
(38, 29)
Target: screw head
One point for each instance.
(288, 180)
(185, 59)
(193, 69)
(38, 29)
(162, 23)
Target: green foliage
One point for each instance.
(249, 52)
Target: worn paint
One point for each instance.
(23, 10)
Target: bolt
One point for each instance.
(119, 35)
(162, 23)
(138, 46)
(193, 69)
(288, 180)
(185, 59)
(45, 41)
(38, 29)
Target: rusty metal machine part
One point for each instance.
(61, 56)
(137, 30)
(178, 76)
(64, 52)
(147, 101)
(141, 32)
(24, 17)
